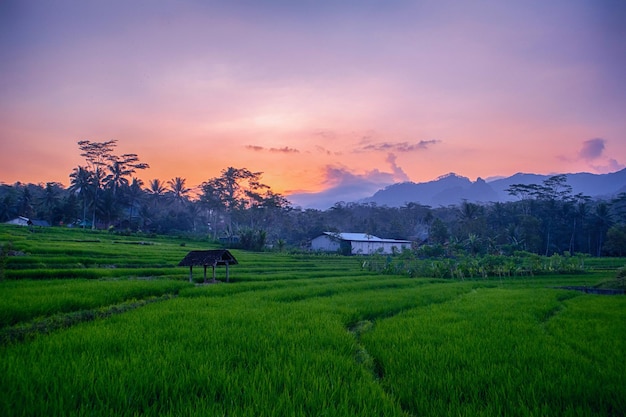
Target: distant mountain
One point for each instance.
(452, 189)
(593, 185)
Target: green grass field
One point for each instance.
(92, 328)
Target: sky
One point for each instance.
(338, 97)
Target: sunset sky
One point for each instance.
(344, 95)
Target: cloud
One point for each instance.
(345, 185)
(398, 173)
(325, 134)
(398, 146)
(592, 152)
(340, 176)
(611, 165)
(592, 149)
(285, 149)
(328, 152)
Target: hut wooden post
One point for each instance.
(205, 274)
(213, 272)
(190, 273)
(227, 271)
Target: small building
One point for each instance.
(25, 221)
(357, 244)
(206, 258)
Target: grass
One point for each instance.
(296, 335)
(506, 352)
(22, 301)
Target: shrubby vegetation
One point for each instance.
(486, 266)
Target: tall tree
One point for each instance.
(603, 220)
(241, 196)
(179, 190)
(50, 200)
(80, 184)
(235, 188)
(120, 167)
(26, 203)
(156, 190)
(134, 194)
(97, 154)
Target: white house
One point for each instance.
(25, 221)
(356, 243)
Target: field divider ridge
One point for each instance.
(25, 331)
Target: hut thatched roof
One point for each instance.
(208, 258)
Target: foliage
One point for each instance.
(250, 239)
(615, 244)
(467, 266)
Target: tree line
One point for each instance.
(237, 208)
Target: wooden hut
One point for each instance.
(207, 258)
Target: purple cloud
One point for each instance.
(285, 149)
(345, 185)
(339, 176)
(611, 165)
(399, 146)
(398, 173)
(592, 149)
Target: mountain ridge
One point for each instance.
(452, 189)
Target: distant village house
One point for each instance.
(25, 221)
(357, 244)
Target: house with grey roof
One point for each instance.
(357, 244)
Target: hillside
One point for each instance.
(452, 189)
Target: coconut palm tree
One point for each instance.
(156, 187)
(116, 177)
(50, 200)
(603, 220)
(80, 184)
(135, 193)
(179, 190)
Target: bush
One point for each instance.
(250, 239)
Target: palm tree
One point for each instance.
(120, 168)
(156, 190)
(50, 199)
(26, 203)
(603, 222)
(469, 216)
(134, 195)
(96, 154)
(116, 177)
(581, 212)
(179, 190)
(156, 187)
(80, 183)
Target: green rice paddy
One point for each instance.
(293, 335)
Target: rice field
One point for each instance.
(298, 335)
